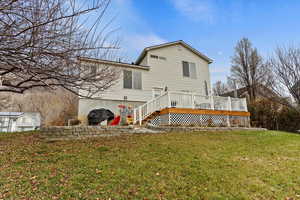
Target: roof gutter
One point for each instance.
(113, 63)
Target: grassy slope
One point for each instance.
(229, 165)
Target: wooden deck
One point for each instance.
(203, 112)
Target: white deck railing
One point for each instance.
(188, 100)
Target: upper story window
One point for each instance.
(158, 57)
(189, 69)
(132, 79)
(162, 58)
(154, 56)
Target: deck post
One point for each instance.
(140, 116)
(169, 100)
(193, 100)
(230, 109)
(212, 103)
(245, 104)
(229, 104)
(228, 120)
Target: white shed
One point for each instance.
(19, 121)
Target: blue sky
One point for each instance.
(211, 26)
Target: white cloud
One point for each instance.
(135, 32)
(196, 10)
(135, 43)
(139, 42)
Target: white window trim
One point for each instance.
(132, 81)
(189, 67)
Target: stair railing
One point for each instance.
(156, 104)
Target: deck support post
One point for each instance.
(230, 109)
(169, 100)
(245, 104)
(229, 104)
(193, 101)
(212, 103)
(228, 121)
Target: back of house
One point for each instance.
(174, 66)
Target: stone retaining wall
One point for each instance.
(82, 132)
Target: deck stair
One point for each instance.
(151, 117)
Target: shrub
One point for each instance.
(273, 116)
(264, 113)
(289, 120)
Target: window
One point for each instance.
(158, 57)
(137, 80)
(162, 58)
(132, 79)
(94, 70)
(186, 69)
(193, 71)
(127, 79)
(189, 69)
(153, 56)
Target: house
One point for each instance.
(262, 92)
(171, 67)
(19, 121)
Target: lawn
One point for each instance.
(204, 165)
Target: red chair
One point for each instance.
(116, 121)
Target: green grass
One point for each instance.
(205, 165)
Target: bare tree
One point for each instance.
(220, 88)
(285, 66)
(5, 102)
(56, 106)
(41, 40)
(248, 68)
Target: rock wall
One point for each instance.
(82, 132)
(57, 133)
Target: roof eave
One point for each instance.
(99, 61)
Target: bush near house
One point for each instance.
(200, 165)
(289, 120)
(273, 116)
(264, 113)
